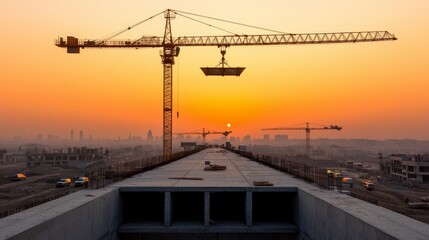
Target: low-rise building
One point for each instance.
(188, 146)
(405, 167)
(11, 157)
(242, 148)
(62, 158)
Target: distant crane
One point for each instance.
(204, 133)
(171, 50)
(307, 129)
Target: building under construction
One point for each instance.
(407, 167)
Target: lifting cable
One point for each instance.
(110, 36)
(295, 125)
(181, 13)
(206, 24)
(178, 75)
(318, 124)
(236, 23)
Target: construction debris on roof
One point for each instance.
(214, 167)
(262, 183)
(186, 178)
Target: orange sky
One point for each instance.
(374, 90)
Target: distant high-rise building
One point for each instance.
(72, 135)
(247, 138)
(39, 137)
(266, 137)
(81, 135)
(149, 136)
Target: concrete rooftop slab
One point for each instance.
(240, 172)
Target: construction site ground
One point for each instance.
(388, 193)
(40, 184)
(38, 187)
(391, 194)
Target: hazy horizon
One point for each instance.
(298, 135)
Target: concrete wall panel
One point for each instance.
(328, 215)
(75, 216)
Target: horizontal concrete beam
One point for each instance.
(231, 228)
(207, 189)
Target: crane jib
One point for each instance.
(232, 40)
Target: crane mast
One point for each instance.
(170, 49)
(168, 62)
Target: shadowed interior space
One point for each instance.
(143, 207)
(187, 207)
(227, 208)
(271, 208)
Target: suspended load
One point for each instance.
(222, 71)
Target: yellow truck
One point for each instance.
(368, 184)
(19, 177)
(81, 181)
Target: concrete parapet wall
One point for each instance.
(81, 215)
(326, 215)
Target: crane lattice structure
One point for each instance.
(204, 133)
(170, 46)
(307, 129)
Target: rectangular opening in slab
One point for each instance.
(143, 207)
(227, 208)
(273, 208)
(187, 208)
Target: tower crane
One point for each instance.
(307, 129)
(204, 133)
(171, 47)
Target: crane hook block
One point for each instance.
(223, 71)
